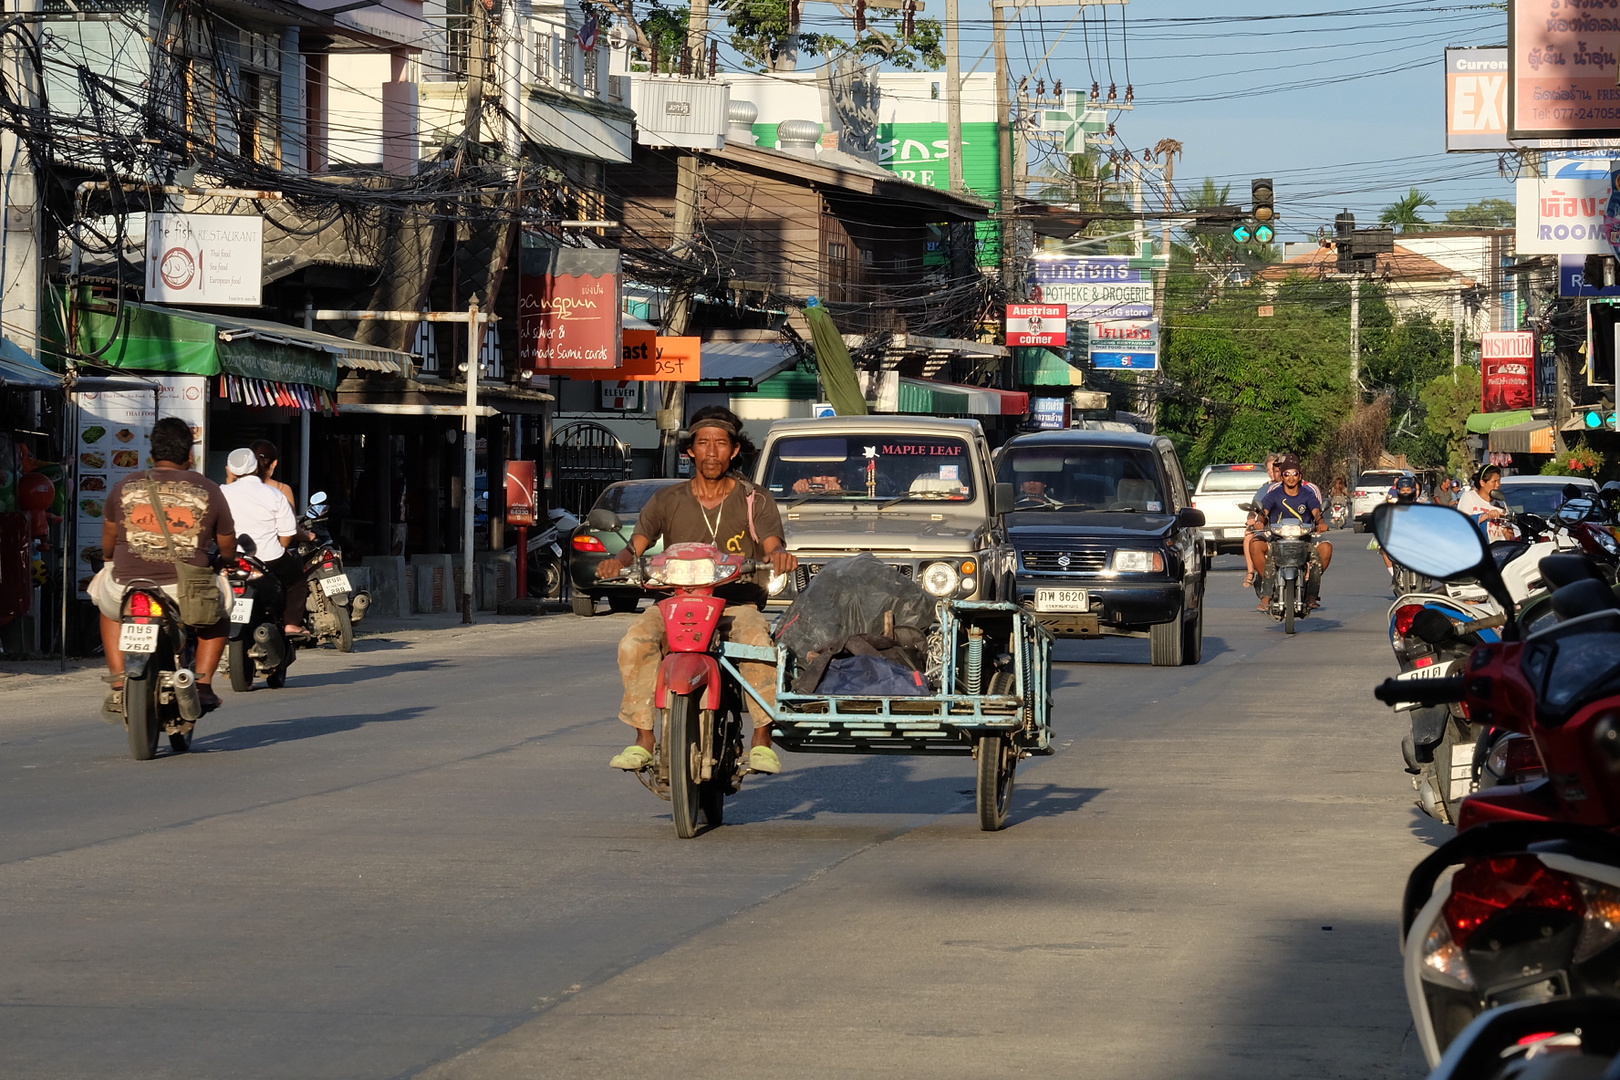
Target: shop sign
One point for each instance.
(1546, 368)
(1049, 413)
(1129, 345)
(1037, 324)
(1093, 286)
(213, 259)
(113, 440)
(1562, 211)
(1561, 69)
(1572, 283)
(1507, 361)
(522, 498)
(1476, 99)
(568, 310)
(621, 394)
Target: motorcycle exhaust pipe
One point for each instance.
(358, 605)
(267, 642)
(186, 696)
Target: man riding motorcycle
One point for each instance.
(719, 508)
(1404, 491)
(1294, 500)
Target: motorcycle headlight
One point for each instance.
(1606, 541)
(690, 572)
(1137, 562)
(777, 583)
(940, 579)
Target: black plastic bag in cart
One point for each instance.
(850, 597)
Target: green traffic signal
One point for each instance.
(1263, 233)
(1594, 419)
(1241, 234)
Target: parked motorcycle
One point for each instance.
(257, 647)
(700, 756)
(547, 559)
(333, 606)
(1532, 911)
(160, 688)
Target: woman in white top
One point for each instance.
(267, 516)
(1477, 503)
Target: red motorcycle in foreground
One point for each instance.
(699, 757)
(1530, 909)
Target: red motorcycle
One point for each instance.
(700, 756)
(1532, 910)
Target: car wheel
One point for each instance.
(1192, 639)
(1165, 642)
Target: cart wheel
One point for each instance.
(997, 760)
(683, 745)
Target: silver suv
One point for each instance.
(1371, 489)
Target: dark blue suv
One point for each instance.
(1105, 539)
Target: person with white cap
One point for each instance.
(263, 513)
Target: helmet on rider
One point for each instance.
(1406, 489)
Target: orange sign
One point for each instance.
(649, 358)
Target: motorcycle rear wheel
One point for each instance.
(345, 629)
(140, 715)
(683, 743)
(1290, 596)
(241, 666)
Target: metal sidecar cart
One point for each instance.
(989, 670)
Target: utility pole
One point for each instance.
(1004, 212)
(20, 271)
(672, 401)
(697, 33)
(1355, 336)
(953, 91)
(469, 463)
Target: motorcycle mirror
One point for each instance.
(317, 503)
(246, 546)
(1438, 542)
(604, 520)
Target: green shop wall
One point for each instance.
(921, 153)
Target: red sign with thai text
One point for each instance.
(568, 310)
(1507, 361)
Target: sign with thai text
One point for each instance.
(213, 259)
(1561, 212)
(1093, 286)
(1561, 69)
(1049, 413)
(1129, 345)
(522, 493)
(1037, 324)
(1507, 360)
(568, 310)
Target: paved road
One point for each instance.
(413, 862)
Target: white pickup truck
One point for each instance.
(1218, 493)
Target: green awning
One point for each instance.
(919, 397)
(151, 338)
(1480, 423)
(1045, 367)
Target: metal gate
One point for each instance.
(585, 458)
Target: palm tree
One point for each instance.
(1406, 214)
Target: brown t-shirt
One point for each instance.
(196, 512)
(675, 515)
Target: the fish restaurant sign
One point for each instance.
(1562, 211)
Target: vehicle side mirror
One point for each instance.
(1003, 500)
(317, 504)
(604, 521)
(246, 546)
(1189, 517)
(1249, 507)
(1441, 543)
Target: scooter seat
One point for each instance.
(1565, 568)
(1583, 598)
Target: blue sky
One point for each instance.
(1341, 103)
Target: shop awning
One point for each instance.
(19, 370)
(1045, 367)
(1533, 437)
(1480, 423)
(146, 337)
(920, 396)
(743, 365)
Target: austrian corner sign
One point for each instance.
(213, 259)
(1037, 325)
(568, 309)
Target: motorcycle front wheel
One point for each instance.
(998, 758)
(683, 742)
(1290, 596)
(140, 715)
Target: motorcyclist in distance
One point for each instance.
(1293, 500)
(1404, 491)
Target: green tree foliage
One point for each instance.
(1250, 384)
(1407, 214)
(666, 27)
(1485, 214)
(760, 32)
(1401, 359)
(1448, 401)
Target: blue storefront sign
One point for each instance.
(1572, 281)
(1094, 286)
(1122, 361)
(1049, 413)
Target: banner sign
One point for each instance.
(1561, 69)
(1476, 99)
(646, 357)
(1572, 283)
(213, 259)
(1093, 286)
(621, 394)
(1507, 362)
(113, 440)
(522, 493)
(1129, 345)
(1562, 212)
(1037, 324)
(568, 309)
(1049, 413)
(1546, 369)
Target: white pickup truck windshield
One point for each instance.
(868, 466)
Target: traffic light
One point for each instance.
(1263, 208)
(1263, 233)
(1601, 418)
(1241, 233)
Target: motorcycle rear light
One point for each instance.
(589, 543)
(1424, 661)
(143, 606)
(1405, 615)
(1482, 890)
(244, 566)
(326, 566)
(1602, 926)
(1443, 959)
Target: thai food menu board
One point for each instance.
(114, 440)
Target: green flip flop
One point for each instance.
(632, 759)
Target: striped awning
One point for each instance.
(1533, 437)
(927, 398)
